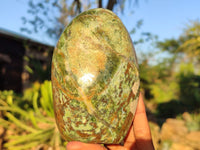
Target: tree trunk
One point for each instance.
(111, 4)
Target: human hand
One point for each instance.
(138, 137)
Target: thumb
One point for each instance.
(75, 145)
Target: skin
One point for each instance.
(138, 137)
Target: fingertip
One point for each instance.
(74, 145)
(141, 106)
(141, 127)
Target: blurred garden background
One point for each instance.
(166, 36)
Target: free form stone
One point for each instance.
(95, 79)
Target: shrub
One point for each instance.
(32, 116)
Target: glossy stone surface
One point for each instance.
(94, 68)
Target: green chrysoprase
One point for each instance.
(95, 79)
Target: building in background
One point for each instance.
(22, 61)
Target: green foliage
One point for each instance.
(7, 96)
(169, 45)
(192, 121)
(191, 46)
(173, 84)
(165, 91)
(157, 80)
(166, 145)
(46, 98)
(189, 86)
(147, 74)
(37, 62)
(34, 124)
(38, 71)
(188, 44)
(53, 15)
(193, 125)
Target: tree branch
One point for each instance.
(111, 4)
(78, 6)
(100, 4)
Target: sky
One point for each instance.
(164, 18)
(167, 18)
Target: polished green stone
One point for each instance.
(95, 79)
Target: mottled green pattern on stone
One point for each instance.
(94, 68)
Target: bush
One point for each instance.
(32, 116)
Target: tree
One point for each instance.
(51, 16)
(187, 46)
(186, 54)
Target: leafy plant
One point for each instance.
(35, 124)
(194, 123)
(165, 92)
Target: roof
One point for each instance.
(22, 37)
